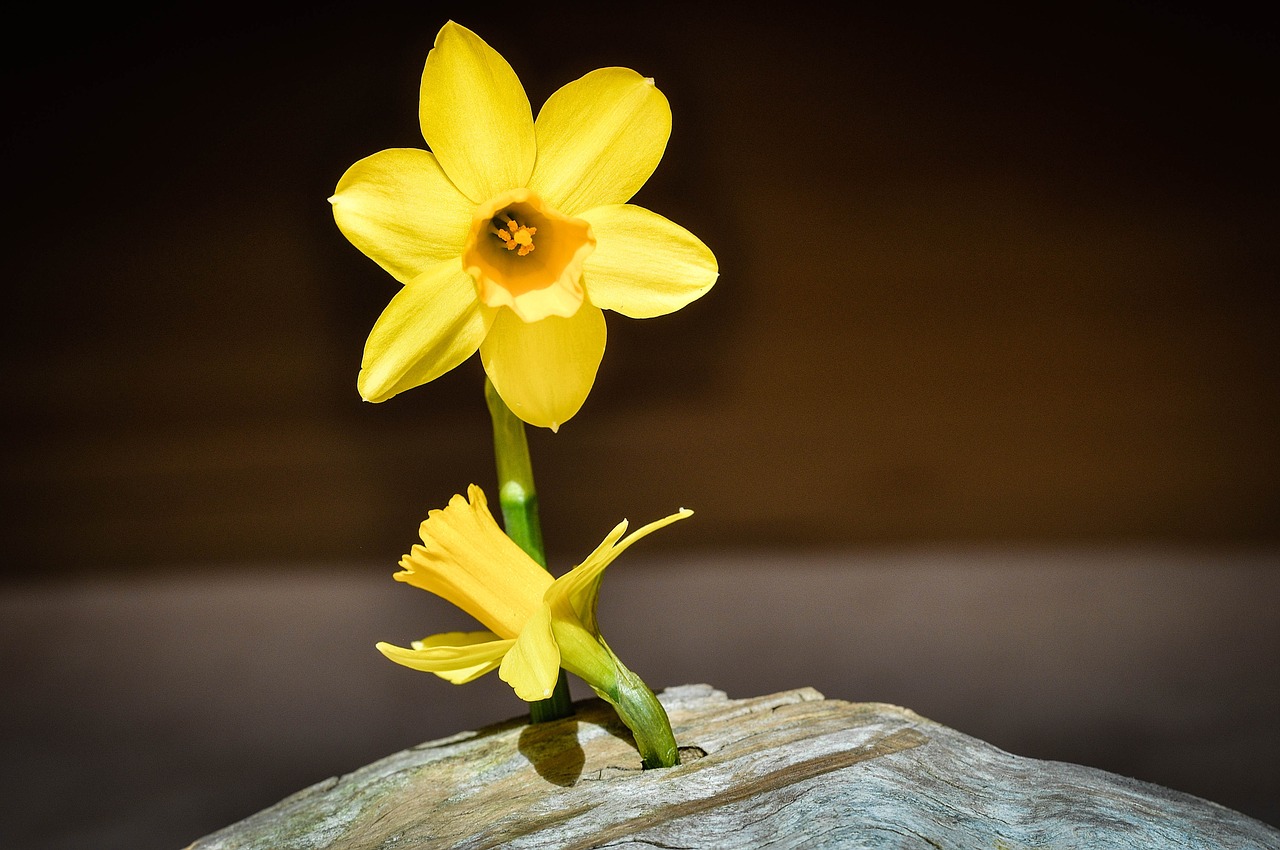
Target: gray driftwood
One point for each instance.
(788, 770)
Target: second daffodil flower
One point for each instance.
(535, 625)
(511, 235)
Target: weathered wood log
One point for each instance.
(788, 770)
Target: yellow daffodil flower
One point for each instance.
(535, 624)
(511, 235)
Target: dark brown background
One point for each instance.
(984, 277)
(990, 279)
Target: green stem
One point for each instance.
(519, 501)
(645, 717)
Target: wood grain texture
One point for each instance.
(791, 769)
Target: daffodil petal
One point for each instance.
(462, 640)
(544, 370)
(644, 265)
(599, 139)
(431, 325)
(578, 590)
(532, 665)
(475, 115)
(458, 657)
(467, 560)
(401, 211)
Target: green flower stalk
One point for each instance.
(519, 500)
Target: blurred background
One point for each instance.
(980, 418)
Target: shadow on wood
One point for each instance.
(554, 751)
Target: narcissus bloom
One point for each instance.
(512, 235)
(535, 625)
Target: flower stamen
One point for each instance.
(516, 236)
(499, 255)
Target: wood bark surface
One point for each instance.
(791, 769)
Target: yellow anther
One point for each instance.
(515, 235)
